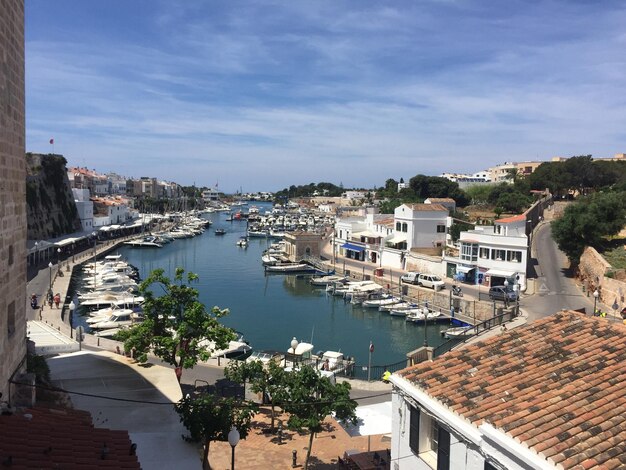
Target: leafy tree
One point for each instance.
(479, 193)
(243, 371)
(209, 418)
(271, 384)
(177, 328)
(588, 221)
(311, 398)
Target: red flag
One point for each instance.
(51, 141)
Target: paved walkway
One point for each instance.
(264, 451)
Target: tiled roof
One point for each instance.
(557, 385)
(514, 218)
(427, 207)
(441, 199)
(47, 438)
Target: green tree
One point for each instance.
(588, 221)
(479, 193)
(177, 328)
(272, 385)
(311, 398)
(242, 372)
(210, 418)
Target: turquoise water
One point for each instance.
(271, 309)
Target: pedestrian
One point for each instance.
(33, 301)
(57, 300)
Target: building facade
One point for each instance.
(13, 196)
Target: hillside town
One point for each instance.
(497, 300)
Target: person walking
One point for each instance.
(57, 300)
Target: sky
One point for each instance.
(260, 95)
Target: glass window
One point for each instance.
(398, 227)
(405, 227)
(11, 319)
(514, 256)
(469, 252)
(441, 228)
(498, 255)
(484, 253)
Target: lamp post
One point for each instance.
(50, 272)
(72, 307)
(233, 440)
(369, 361)
(596, 294)
(36, 253)
(426, 324)
(294, 345)
(58, 255)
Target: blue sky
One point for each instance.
(264, 94)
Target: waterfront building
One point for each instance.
(546, 395)
(300, 245)
(13, 224)
(211, 194)
(492, 254)
(84, 206)
(109, 211)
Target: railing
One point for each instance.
(347, 368)
(486, 325)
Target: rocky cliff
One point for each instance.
(51, 209)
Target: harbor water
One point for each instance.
(272, 309)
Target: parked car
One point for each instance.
(410, 278)
(430, 280)
(502, 293)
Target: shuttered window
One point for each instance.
(414, 430)
(443, 449)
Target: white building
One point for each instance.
(491, 255)
(501, 173)
(420, 225)
(211, 194)
(546, 395)
(84, 206)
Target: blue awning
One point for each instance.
(351, 247)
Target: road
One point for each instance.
(555, 287)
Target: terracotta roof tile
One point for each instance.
(557, 385)
(427, 207)
(50, 438)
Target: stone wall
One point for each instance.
(51, 208)
(592, 272)
(12, 195)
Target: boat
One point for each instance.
(266, 356)
(220, 231)
(334, 361)
(258, 233)
(326, 280)
(398, 306)
(145, 242)
(385, 300)
(414, 315)
(116, 321)
(458, 332)
(290, 268)
(242, 242)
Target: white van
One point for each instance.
(430, 280)
(410, 278)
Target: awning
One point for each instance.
(69, 241)
(498, 273)
(351, 247)
(367, 234)
(464, 269)
(371, 420)
(397, 239)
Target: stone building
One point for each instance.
(301, 245)
(12, 195)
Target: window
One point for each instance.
(10, 255)
(484, 253)
(469, 252)
(441, 228)
(398, 227)
(11, 319)
(405, 227)
(498, 255)
(514, 256)
(434, 445)
(414, 429)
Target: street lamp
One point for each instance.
(58, 255)
(36, 253)
(72, 307)
(233, 440)
(596, 294)
(50, 271)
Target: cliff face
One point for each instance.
(51, 210)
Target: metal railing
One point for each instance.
(486, 325)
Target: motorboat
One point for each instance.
(334, 361)
(116, 321)
(385, 300)
(414, 315)
(398, 306)
(220, 231)
(242, 242)
(145, 242)
(258, 233)
(290, 268)
(326, 280)
(266, 356)
(458, 332)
